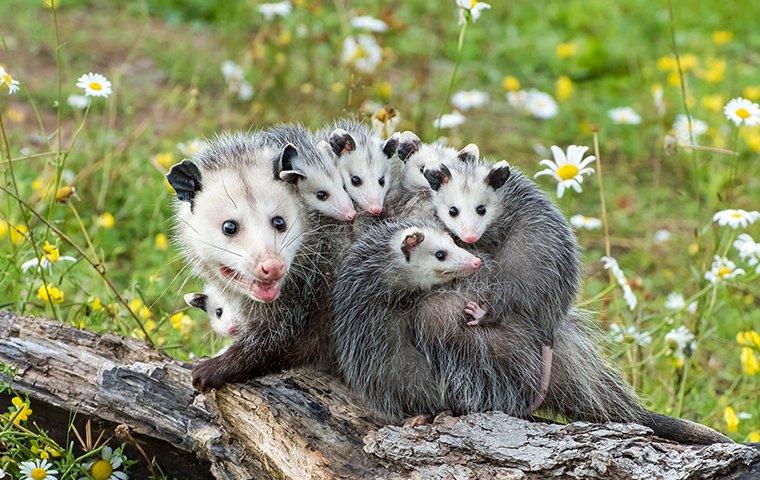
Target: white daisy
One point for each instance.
(471, 9)
(245, 91)
(740, 110)
(736, 218)
(587, 223)
(8, 81)
(662, 236)
(467, 99)
(744, 415)
(78, 102)
(681, 342)
(105, 468)
(38, 469)
(385, 120)
(658, 98)
(371, 24)
(44, 263)
(722, 269)
(681, 129)
(362, 52)
(517, 98)
(624, 116)
(94, 85)
(192, 147)
(568, 170)
(232, 72)
(611, 264)
(540, 104)
(449, 120)
(278, 9)
(749, 250)
(630, 335)
(676, 302)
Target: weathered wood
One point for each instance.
(304, 424)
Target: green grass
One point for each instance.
(164, 58)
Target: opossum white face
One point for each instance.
(238, 225)
(467, 201)
(430, 257)
(365, 168)
(320, 186)
(417, 157)
(223, 313)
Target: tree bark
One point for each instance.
(305, 424)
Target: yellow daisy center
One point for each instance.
(568, 171)
(96, 86)
(736, 215)
(724, 271)
(39, 473)
(6, 78)
(742, 112)
(473, 3)
(101, 470)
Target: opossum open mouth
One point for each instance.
(262, 291)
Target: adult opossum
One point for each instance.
(252, 237)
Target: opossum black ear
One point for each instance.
(391, 145)
(283, 165)
(438, 176)
(185, 178)
(498, 175)
(408, 145)
(196, 300)
(412, 238)
(342, 142)
(470, 153)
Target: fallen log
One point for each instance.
(305, 424)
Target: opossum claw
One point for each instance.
(478, 314)
(207, 375)
(417, 420)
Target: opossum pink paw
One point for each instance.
(417, 420)
(208, 375)
(478, 314)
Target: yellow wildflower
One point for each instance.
(566, 50)
(732, 421)
(51, 3)
(689, 61)
(337, 87)
(22, 411)
(666, 64)
(693, 249)
(3, 228)
(674, 79)
(45, 452)
(182, 323)
(384, 90)
(105, 220)
(51, 252)
(162, 244)
(37, 185)
(716, 70)
(748, 338)
(722, 37)
(112, 309)
(96, 304)
(284, 38)
(18, 234)
(510, 83)
(752, 92)
(564, 88)
(754, 436)
(140, 309)
(713, 103)
(164, 159)
(64, 193)
(751, 137)
(750, 364)
(50, 293)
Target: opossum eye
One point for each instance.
(480, 210)
(440, 255)
(218, 312)
(322, 195)
(453, 211)
(381, 181)
(279, 223)
(230, 227)
(356, 181)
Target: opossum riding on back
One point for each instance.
(251, 237)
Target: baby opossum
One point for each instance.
(251, 237)
(364, 160)
(314, 171)
(221, 311)
(414, 344)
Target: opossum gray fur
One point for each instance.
(272, 263)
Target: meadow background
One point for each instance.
(165, 61)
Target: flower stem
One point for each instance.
(460, 44)
(600, 181)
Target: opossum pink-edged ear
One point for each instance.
(185, 179)
(341, 142)
(408, 144)
(470, 153)
(411, 238)
(498, 175)
(196, 300)
(283, 165)
(326, 150)
(437, 176)
(391, 145)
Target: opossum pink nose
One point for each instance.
(232, 330)
(270, 269)
(476, 262)
(350, 214)
(375, 210)
(470, 238)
